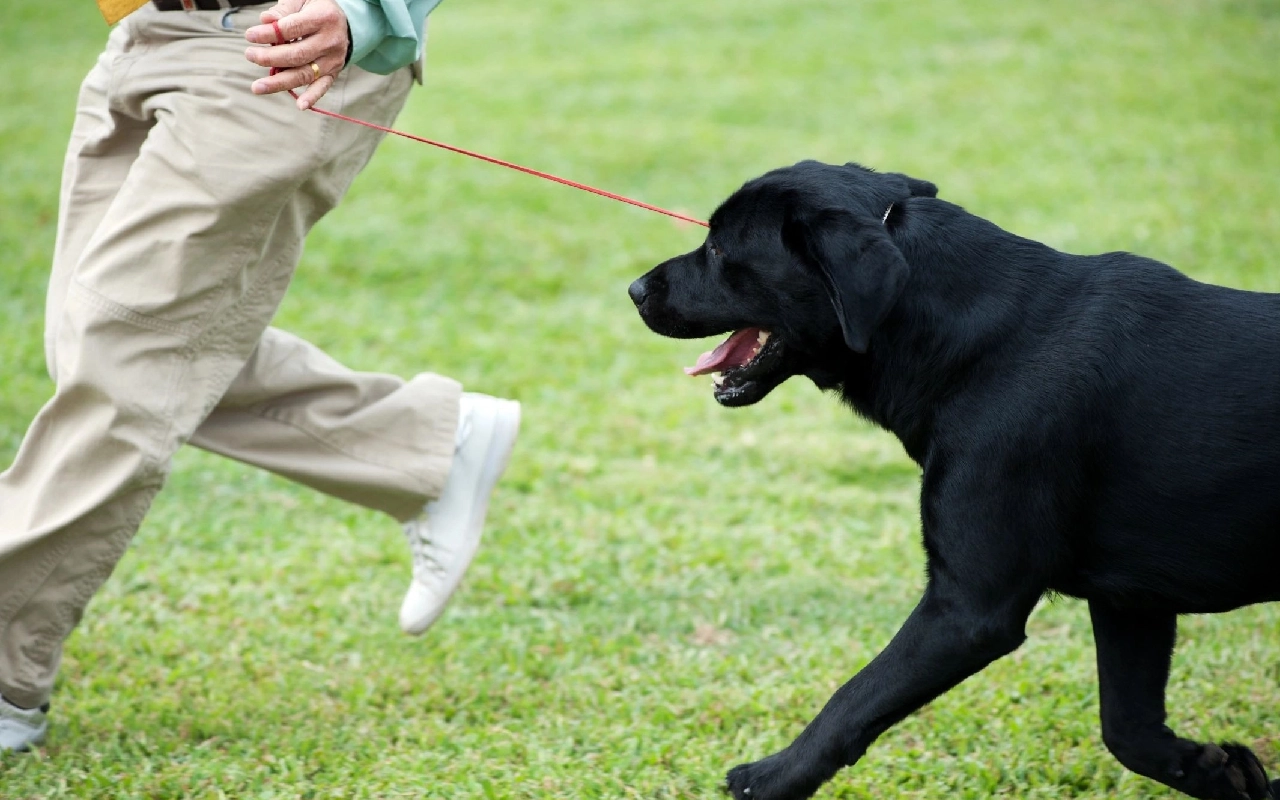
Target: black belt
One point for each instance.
(203, 5)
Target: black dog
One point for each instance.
(1098, 426)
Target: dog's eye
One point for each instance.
(713, 251)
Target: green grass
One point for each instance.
(667, 588)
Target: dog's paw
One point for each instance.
(748, 782)
(777, 777)
(1227, 772)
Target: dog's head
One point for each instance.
(799, 264)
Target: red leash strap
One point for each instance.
(544, 175)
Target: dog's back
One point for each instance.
(1184, 479)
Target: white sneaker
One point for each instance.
(20, 729)
(445, 537)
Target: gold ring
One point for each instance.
(315, 72)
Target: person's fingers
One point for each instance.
(314, 92)
(294, 26)
(296, 78)
(282, 81)
(281, 10)
(309, 47)
(312, 48)
(315, 17)
(307, 20)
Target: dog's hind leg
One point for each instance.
(1134, 649)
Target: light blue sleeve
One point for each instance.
(386, 34)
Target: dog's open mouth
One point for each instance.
(742, 366)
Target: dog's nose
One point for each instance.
(638, 290)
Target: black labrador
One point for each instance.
(1096, 426)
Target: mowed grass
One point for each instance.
(667, 588)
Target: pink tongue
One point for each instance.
(732, 352)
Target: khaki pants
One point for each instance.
(185, 202)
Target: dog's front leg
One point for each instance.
(952, 634)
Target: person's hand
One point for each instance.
(314, 51)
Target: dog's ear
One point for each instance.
(917, 187)
(863, 271)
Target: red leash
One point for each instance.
(509, 165)
(545, 175)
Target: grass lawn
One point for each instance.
(667, 588)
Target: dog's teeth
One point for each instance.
(717, 378)
(762, 337)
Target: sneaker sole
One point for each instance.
(498, 454)
(34, 742)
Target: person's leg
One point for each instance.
(372, 439)
(378, 441)
(100, 152)
(170, 296)
(369, 438)
(102, 148)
